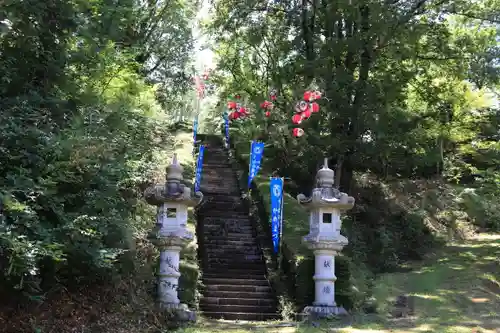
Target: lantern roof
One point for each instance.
(325, 195)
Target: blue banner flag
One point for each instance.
(195, 129)
(199, 167)
(276, 187)
(226, 127)
(256, 153)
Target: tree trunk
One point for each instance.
(346, 175)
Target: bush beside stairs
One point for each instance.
(235, 286)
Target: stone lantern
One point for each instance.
(324, 239)
(170, 233)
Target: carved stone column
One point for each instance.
(170, 234)
(324, 238)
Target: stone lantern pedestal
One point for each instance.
(170, 234)
(324, 239)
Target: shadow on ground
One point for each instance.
(456, 289)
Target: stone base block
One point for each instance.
(180, 311)
(322, 311)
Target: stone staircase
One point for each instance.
(234, 271)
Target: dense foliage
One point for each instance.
(83, 91)
(410, 87)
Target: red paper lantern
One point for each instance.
(306, 114)
(298, 132)
(297, 107)
(315, 107)
(308, 96)
(272, 94)
(231, 105)
(297, 119)
(268, 114)
(266, 105)
(303, 106)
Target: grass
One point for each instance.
(295, 219)
(456, 290)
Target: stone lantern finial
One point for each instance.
(174, 171)
(325, 177)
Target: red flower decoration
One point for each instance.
(243, 111)
(303, 106)
(298, 132)
(308, 96)
(297, 119)
(268, 113)
(266, 105)
(231, 105)
(315, 107)
(306, 114)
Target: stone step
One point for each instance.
(230, 190)
(241, 316)
(243, 288)
(236, 261)
(219, 174)
(236, 281)
(219, 198)
(219, 187)
(236, 294)
(225, 214)
(208, 234)
(231, 275)
(223, 198)
(214, 184)
(229, 227)
(233, 258)
(217, 156)
(233, 207)
(217, 220)
(238, 301)
(229, 223)
(229, 242)
(235, 270)
(217, 251)
(223, 232)
(238, 308)
(234, 194)
(217, 165)
(238, 237)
